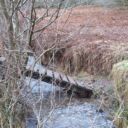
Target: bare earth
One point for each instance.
(96, 23)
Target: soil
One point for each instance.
(91, 23)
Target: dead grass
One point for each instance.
(96, 57)
(87, 38)
(120, 75)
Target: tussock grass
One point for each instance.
(94, 57)
(120, 76)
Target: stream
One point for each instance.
(57, 110)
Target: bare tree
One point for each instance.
(18, 23)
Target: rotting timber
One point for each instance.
(38, 71)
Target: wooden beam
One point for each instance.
(37, 71)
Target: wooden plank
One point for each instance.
(48, 76)
(79, 84)
(57, 76)
(38, 71)
(71, 80)
(33, 66)
(36, 68)
(49, 73)
(64, 78)
(42, 71)
(30, 62)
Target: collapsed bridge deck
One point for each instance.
(37, 71)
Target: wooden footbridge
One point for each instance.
(38, 71)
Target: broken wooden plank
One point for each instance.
(57, 76)
(49, 73)
(42, 71)
(30, 62)
(71, 80)
(38, 71)
(64, 78)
